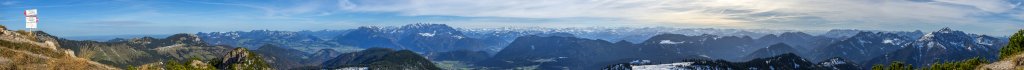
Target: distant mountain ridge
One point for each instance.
(380, 58)
(557, 52)
(796, 40)
(415, 37)
(306, 41)
(138, 51)
(629, 34)
(944, 45)
(864, 46)
(788, 61)
(775, 49)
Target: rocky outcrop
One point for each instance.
(241, 58)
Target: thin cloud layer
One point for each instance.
(703, 12)
(997, 17)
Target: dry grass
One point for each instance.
(25, 52)
(21, 61)
(27, 35)
(22, 56)
(31, 48)
(69, 63)
(28, 61)
(87, 54)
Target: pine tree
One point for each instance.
(895, 65)
(968, 64)
(1015, 46)
(898, 65)
(878, 67)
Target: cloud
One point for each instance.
(791, 14)
(268, 10)
(117, 23)
(8, 3)
(724, 13)
(984, 5)
(280, 9)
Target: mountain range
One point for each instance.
(944, 45)
(415, 37)
(435, 46)
(787, 61)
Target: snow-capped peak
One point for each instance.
(945, 30)
(927, 37)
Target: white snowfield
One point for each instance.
(670, 66)
(427, 34)
(670, 42)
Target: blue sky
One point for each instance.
(121, 17)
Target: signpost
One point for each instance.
(30, 18)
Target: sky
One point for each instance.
(127, 17)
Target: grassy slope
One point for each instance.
(18, 52)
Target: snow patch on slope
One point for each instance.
(834, 62)
(427, 34)
(670, 66)
(670, 42)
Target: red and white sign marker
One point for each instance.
(30, 18)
